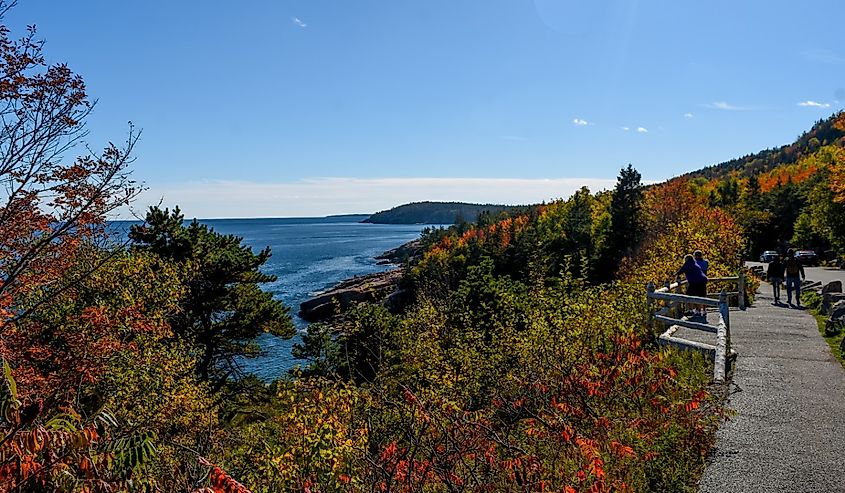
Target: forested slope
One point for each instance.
(787, 197)
(438, 213)
(823, 133)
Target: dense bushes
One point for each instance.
(573, 398)
(514, 368)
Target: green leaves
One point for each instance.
(9, 403)
(132, 453)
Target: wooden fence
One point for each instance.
(666, 307)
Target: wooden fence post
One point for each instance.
(741, 276)
(726, 316)
(649, 288)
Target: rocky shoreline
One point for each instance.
(379, 287)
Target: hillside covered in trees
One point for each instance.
(785, 197)
(825, 132)
(522, 362)
(438, 213)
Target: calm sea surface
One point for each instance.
(309, 256)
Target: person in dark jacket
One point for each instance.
(697, 282)
(701, 261)
(775, 277)
(793, 269)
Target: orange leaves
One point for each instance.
(221, 482)
(829, 157)
(839, 122)
(837, 170)
(499, 235)
(622, 450)
(389, 452)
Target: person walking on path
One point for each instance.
(697, 282)
(701, 261)
(793, 269)
(775, 276)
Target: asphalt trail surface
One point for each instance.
(788, 392)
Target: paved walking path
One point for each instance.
(788, 433)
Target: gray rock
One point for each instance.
(832, 327)
(832, 287)
(807, 284)
(370, 288)
(402, 253)
(837, 311)
(829, 299)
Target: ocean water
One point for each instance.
(310, 255)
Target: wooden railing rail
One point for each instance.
(670, 315)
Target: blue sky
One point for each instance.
(312, 107)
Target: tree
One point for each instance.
(625, 222)
(82, 325)
(50, 205)
(223, 308)
(728, 192)
(625, 211)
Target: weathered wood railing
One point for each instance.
(670, 314)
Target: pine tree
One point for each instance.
(223, 308)
(625, 223)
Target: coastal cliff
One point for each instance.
(379, 287)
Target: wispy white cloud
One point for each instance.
(580, 122)
(689, 115)
(642, 130)
(814, 104)
(298, 22)
(626, 128)
(324, 196)
(723, 105)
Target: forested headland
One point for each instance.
(523, 361)
(440, 213)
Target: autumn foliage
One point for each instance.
(73, 307)
(521, 362)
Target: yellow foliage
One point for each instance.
(712, 231)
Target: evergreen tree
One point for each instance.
(625, 223)
(223, 308)
(752, 192)
(625, 211)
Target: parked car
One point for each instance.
(768, 256)
(807, 257)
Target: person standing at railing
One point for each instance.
(696, 283)
(793, 283)
(701, 261)
(775, 276)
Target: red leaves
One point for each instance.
(221, 482)
(622, 450)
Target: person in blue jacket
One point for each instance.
(696, 282)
